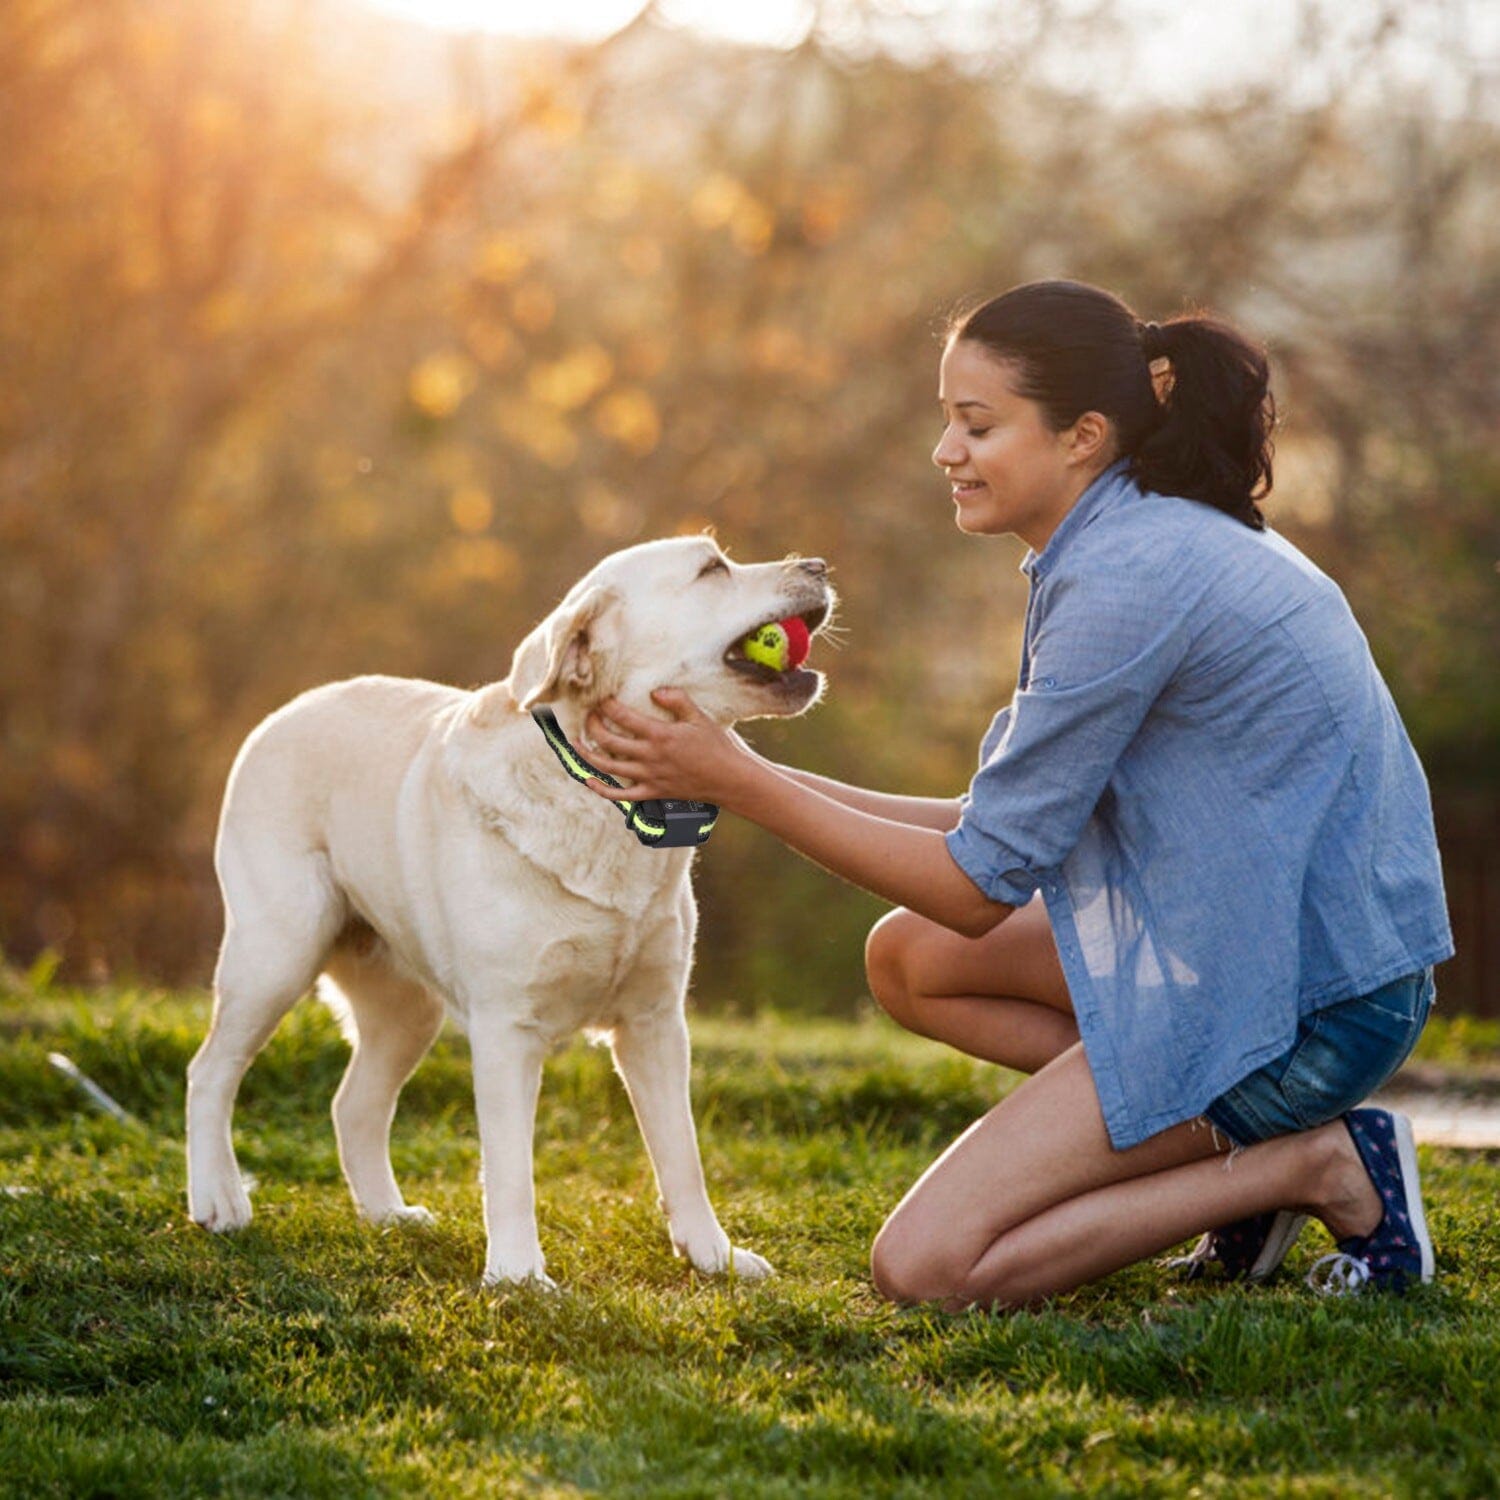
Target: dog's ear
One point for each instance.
(562, 654)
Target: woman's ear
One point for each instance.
(1090, 438)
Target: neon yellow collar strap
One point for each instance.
(659, 823)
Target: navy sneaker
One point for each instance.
(1399, 1252)
(1251, 1248)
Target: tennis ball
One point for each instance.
(769, 647)
(780, 645)
(798, 640)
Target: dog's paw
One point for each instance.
(746, 1265)
(517, 1263)
(725, 1259)
(221, 1209)
(408, 1213)
(535, 1278)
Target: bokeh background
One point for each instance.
(333, 341)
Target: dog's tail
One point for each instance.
(338, 1002)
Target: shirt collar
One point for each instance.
(1107, 487)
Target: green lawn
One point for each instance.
(314, 1355)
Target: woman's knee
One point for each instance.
(888, 966)
(905, 1270)
(909, 1268)
(908, 1272)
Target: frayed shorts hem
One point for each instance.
(1339, 1057)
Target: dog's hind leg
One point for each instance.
(392, 1021)
(278, 927)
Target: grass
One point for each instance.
(313, 1355)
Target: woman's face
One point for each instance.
(1009, 470)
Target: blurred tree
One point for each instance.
(178, 237)
(339, 348)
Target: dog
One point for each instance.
(420, 848)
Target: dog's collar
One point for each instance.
(659, 823)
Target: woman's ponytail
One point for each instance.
(1190, 399)
(1212, 440)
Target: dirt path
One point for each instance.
(1439, 1119)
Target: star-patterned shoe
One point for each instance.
(1251, 1248)
(1399, 1252)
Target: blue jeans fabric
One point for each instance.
(1340, 1056)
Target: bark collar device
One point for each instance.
(659, 823)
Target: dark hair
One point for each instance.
(1076, 348)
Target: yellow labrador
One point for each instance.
(421, 848)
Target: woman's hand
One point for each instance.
(688, 757)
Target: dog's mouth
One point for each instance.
(759, 671)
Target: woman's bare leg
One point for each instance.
(1032, 1199)
(1001, 997)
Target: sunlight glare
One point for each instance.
(778, 23)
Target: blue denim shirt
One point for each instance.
(1204, 773)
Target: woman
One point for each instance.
(1193, 886)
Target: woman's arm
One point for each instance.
(691, 757)
(940, 813)
(907, 864)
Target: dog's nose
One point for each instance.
(814, 565)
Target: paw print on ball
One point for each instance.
(781, 645)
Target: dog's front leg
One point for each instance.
(652, 1054)
(507, 1076)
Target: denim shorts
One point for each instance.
(1340, 1056)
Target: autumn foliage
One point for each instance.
(332, 347)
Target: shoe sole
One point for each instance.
(1285, 1228)
(1406, 1154)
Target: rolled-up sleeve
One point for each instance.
(1101, 653)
